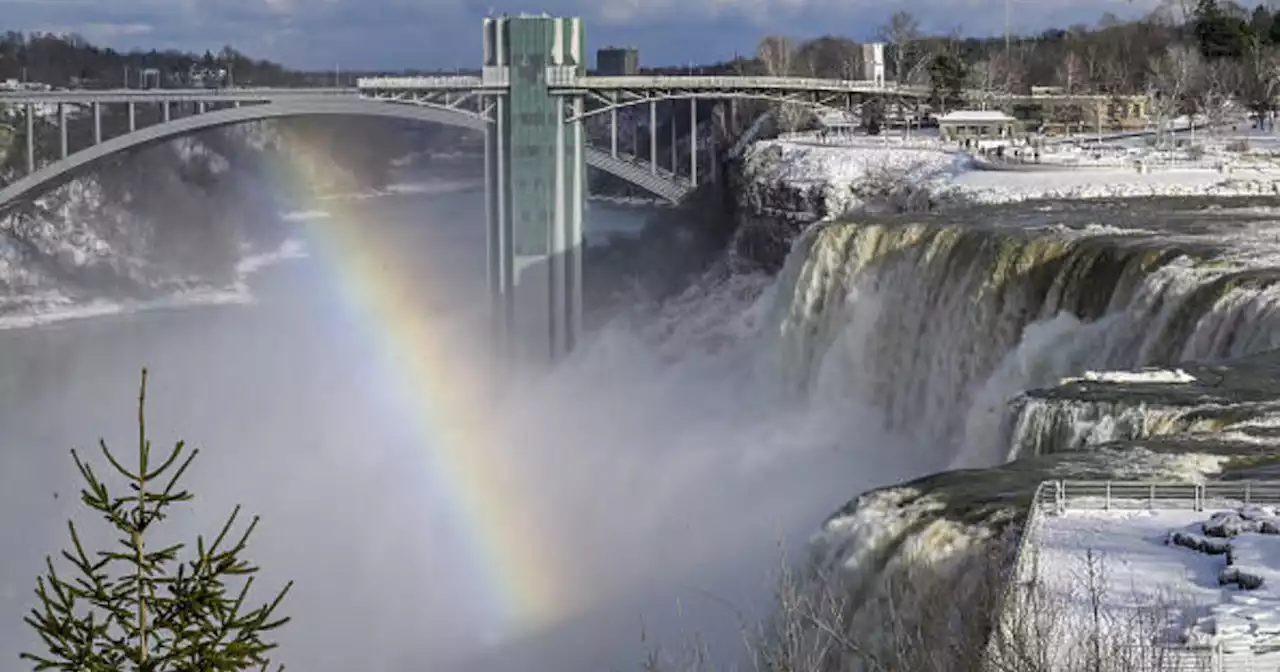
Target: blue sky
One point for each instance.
(445, 33)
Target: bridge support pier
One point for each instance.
(536, 196)
(613, 126)
(653, 137)
(31, 138)
(62, 129)
(693, 141)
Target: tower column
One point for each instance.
(535, 177)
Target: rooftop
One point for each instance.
(975, 115)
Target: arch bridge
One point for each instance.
(532, 102)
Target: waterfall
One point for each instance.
(1025, 344)
(943, 325)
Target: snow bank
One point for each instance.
(807, 178)
(1217, 571)
(826, 179)
(187, 218)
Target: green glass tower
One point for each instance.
(536, 175)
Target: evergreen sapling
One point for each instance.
(147, 609)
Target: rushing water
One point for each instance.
(673, 478)
(672, 454)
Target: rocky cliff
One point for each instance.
(779, 187)
(178, 215)
(1125, 339)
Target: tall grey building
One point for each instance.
(614, 61)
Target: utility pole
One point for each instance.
(1006, 31)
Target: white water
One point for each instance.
(672, 452)
(670, 465)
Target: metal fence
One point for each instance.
(1061, 496)
(1058, 497)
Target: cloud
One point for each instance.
(445, 33)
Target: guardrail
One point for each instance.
(862, 141)
(738, 82)
(1107, 495)
(1058, 497)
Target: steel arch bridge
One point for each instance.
(531, 102)
(283, 105)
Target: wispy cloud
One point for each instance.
(445, 33)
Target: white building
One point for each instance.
(975, 124)
(873, 62)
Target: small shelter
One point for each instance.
(836, 122)
(975, 124)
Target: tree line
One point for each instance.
(66, 60)
(1185, 56)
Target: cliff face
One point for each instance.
(179, 215)
(974, 332)
(780, 187)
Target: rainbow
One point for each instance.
(524, 578)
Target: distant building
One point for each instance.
(200, 77)
(975, 125)
(1051, 111)
(616, 61)
(873, 62)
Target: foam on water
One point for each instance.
(53, 306)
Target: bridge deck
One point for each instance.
(733, 83)
(689, 83)
(229, 95)
(650, 83)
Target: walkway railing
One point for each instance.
(1067, 495)
(1058, 497)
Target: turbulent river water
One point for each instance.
(672, 476)
(673, 457)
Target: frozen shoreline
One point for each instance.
(838, 169)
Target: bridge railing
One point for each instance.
(732, 82)
(1107, 495)
(418, 83)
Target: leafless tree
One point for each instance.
(777, 56)
(903, 29)
(1215, 90)
(1180, 12)
(1261, 78)
(974, 612)
(1172, 78)
(1002, 74)
(1071, 74)
(1009, 70)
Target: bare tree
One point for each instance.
(1009, 70)
(903, 29)
(1001, 75)
(1261, 78)
(1071, 74)
(1212, 96)
(1180, 12)
(777, 56)
(1171, 79)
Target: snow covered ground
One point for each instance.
(1175, 563)
(1229, 163)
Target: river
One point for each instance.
(672, 480)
